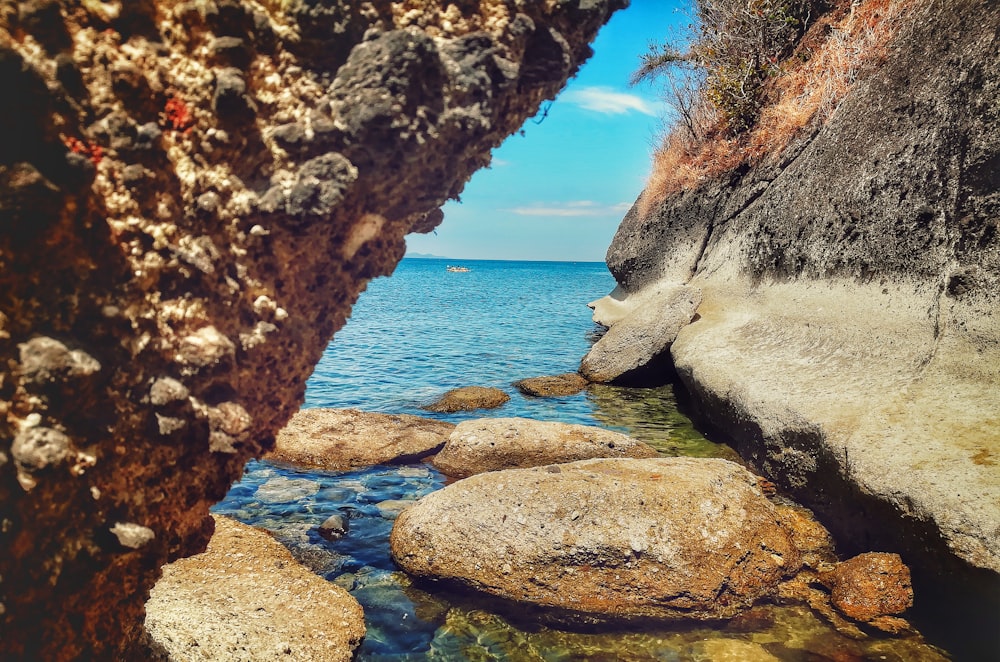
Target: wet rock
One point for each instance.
(870, 586)
(642, 337)
(604, 540)
(556, 386)
(469, 398)
(490, 444)
(334, 527)
(246, 598)
(340, 439)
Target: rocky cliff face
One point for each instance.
(192, 195)
(848, 337)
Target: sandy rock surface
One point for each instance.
(469, 398)
(489, 444)
(343, 439)
(606, 539)
(245, 599)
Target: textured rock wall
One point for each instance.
(192, 195)
(848, 337)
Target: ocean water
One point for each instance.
(422, 332)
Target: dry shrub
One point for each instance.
(808, 89)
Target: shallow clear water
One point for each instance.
(413, 337)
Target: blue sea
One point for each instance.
(426, 330)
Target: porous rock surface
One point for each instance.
(344, 439)
(848, 338)
(870, 585)
(604, 540)
(245, 598)
(491, 444)
(192, 195)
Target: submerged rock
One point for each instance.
(469, 398)
(341, 439)
(246, 598)
(555, 386)
(605, 540)
(489, 444)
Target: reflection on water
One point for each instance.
(651, 415)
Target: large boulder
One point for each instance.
(192, 196)
(606, 539)
(342, 439)
(245, 598)
(643, 337)
(489, 444)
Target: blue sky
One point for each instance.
(559, 191)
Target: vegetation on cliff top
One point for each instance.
(752, 75)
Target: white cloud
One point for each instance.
(607, 101)
(574, 208)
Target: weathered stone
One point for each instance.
(608, 539)
(869, 586)
(469, 398)
(489, 444)
(246, 598)
(151, 284)
(642, 337)
(556, 386)
(848, 340)
(341, 439)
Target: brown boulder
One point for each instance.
(247, 599)
(469, 398)
(870, 586)
(555, 386)
(342, 439)
(604, 540)
(489, 444)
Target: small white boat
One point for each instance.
(458, 269)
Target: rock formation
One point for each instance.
(344, 439)
(553, 386)
(491, 444)
(469, 398)
(192, 195)
(605, 540)
(848, 337)
(246, 598)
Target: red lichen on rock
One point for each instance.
(177, 115)
(94, 152)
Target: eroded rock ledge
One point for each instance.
(192, 195)
(848, 336)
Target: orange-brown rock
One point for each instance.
(469, 398)
(870, 586)
(554, 386)
(192, 195)
(604, 540)
(343, 439)
(490, 444)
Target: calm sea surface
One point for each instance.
(422, 332)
